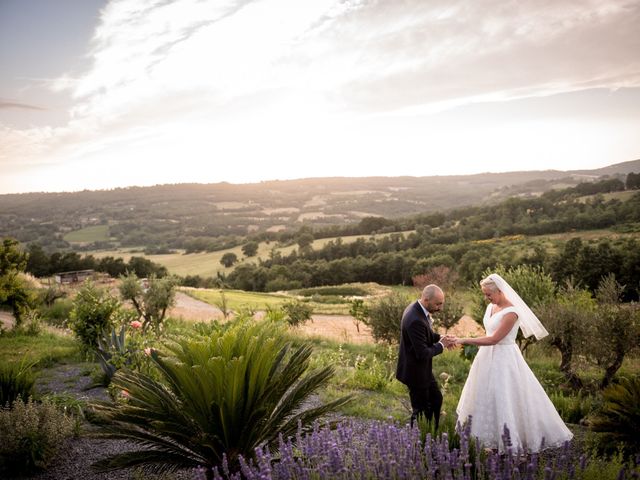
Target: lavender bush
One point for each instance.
(358, 449)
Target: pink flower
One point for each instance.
(135, 324)
(147, 351)
(125, 394)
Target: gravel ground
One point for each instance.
(75, 457)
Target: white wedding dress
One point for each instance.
(501, 389)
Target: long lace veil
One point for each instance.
(529, 323)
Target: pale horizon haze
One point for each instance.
(98, 94)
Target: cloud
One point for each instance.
(281, 79)
(6, 104)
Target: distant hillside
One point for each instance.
(174, 215)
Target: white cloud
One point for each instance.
(248, 90)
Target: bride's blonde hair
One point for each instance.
(490, 284)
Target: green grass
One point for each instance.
(47, 348)
(94, 233)
(238, 299)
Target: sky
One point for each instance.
(98, 94)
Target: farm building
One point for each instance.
(73, 276)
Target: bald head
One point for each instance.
(432, 298)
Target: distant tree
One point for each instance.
(305, 240)
(250, 249)
(633, 181)
(38, 261)
(296, 312)
(228, 259)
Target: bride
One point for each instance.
(501, 390)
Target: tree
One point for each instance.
(633, 181)
(15, 292)
(228, 259)
(151, 300)
(250, 249)
(359, 312)
(221, 395)
(568, 321)
(305, 240)
(385, 317)
(296, 312)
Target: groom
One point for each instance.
(418, 345)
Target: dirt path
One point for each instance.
(341, 328)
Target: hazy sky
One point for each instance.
(105, 93)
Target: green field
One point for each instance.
(95, 233)
(208, 264)
(238, 299)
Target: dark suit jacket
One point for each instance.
(418, 346)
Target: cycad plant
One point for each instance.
(619, 419)
(221, 395)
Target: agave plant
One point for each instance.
(222, 395)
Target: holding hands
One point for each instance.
(449, 341)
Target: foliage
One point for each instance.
(451, 312)
(573, 409)
(31, 434)
(94, 311)
(341, 290)
(15, 291)
(16, 380)
(615, 333)
(618, 422)
(58, 313)
(228, 259)
(441, 275)
(296, 312)
(250, 249)
(568, 321)
(223, 305)
(220, 395)
(117, 349)
(385, 316)
(359, 311)
(151, 298)
(376, 449)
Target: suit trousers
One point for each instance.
(426, 401)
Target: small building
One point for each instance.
(73, 276)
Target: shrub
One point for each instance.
(385, 316)
(297, 313)
(31, 435)
(151, 298)
(618, 422)
(94, 312)
(373, 449)
(220, 395)
(58, 313)
(573, 409)
(16, 380)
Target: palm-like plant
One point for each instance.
(219, 395)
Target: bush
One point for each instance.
(31, 434)
(94, 312)
(58, 313)
(16, 380)
(618, 422)
(359, 449)
(385, 317)
(297, 313)
(573, 409)
(220, 396)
